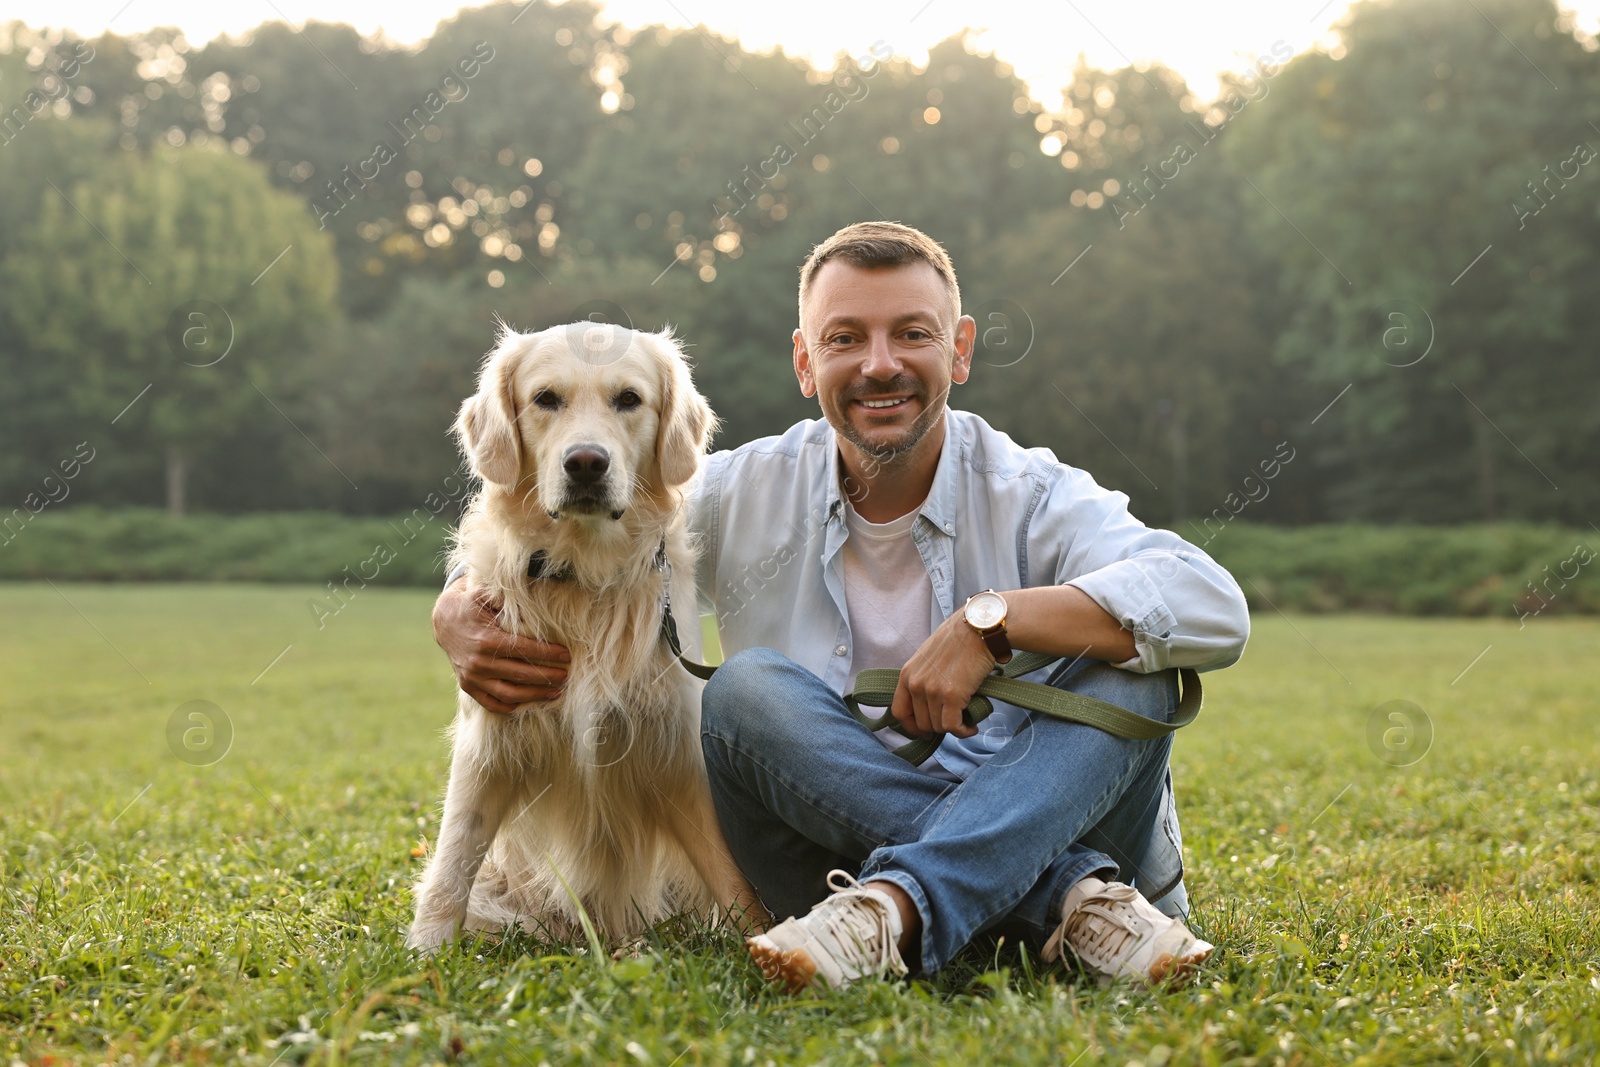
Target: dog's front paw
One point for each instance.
(431, 935)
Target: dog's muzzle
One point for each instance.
(587, 488)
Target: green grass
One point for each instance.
(251, 910)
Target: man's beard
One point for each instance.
(888, 454)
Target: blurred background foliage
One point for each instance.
(1167, 288)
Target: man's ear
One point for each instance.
(802, 366)
(965, 341)
(487, 424)
(685, 421)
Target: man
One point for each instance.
(901, 533)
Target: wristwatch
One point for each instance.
(986, 613)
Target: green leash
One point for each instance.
(876, 688)
(669, 632)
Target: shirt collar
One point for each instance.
(835, 493)
(940, 507)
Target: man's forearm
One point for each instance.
(940, 678)
(1062, 620)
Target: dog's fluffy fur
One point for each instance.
(600, 796)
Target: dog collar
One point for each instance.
(539, 568)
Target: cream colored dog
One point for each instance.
(585, 437)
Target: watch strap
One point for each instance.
(999, 643)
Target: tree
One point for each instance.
(38, 424)
(491, 109)
(1331, 208)
(1432, 164)
(1122, 327)
(184, 272)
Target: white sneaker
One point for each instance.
(850, 935)
(1116, 933)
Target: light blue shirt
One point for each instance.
(770, 521)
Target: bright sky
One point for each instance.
(1040, 38)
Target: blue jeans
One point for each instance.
(801, 788)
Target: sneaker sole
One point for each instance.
(1173, 970)
(794, 968)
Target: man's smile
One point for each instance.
(883, 400)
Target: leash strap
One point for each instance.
(876, 688)
(669, 631)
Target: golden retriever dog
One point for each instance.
(585, 437)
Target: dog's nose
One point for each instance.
(586, 463)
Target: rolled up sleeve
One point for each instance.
(1182, 607)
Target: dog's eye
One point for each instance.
(547, 400)
(626, 400)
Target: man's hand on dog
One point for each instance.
(497, 669)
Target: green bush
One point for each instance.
(1505, 569)
(1404, 570)
(95, 544)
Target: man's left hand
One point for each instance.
(939, 680)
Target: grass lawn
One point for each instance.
(1378, 896)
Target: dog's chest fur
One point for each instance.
(612, 701)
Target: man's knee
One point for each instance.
(745, 690)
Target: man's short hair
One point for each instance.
(872, 245)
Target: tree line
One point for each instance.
(260, 274)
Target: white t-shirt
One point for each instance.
(890, 601)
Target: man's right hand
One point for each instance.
(497, 669)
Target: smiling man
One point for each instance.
(901, 533)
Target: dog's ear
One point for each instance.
(686, 421)
(487, 424)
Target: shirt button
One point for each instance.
(841, 651)
(949, 527)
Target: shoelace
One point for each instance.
(859, 921)
(1104, 928)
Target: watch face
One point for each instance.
(986, 610)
